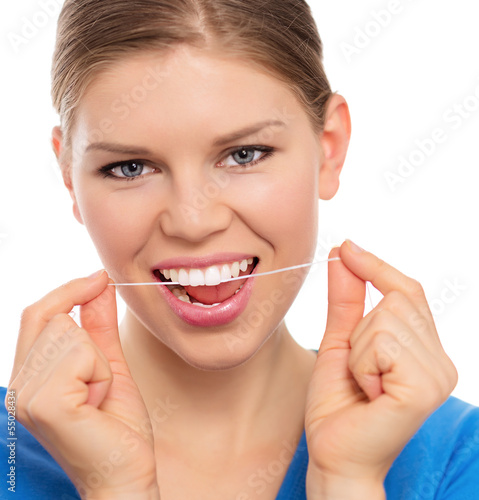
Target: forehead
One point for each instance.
(181, 90)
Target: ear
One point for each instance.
(334, 141)
(65, 167)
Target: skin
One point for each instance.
(245, 394)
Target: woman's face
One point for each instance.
(192, 161)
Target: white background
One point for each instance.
(401, 82)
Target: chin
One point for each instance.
(218, 352)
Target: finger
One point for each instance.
(408, 380)
(371, 365)
(99, 317)
(47, 352)
(392, 338)
(65, 417)
(402, 307)
(346, 295)
(61, 300)
(384, 277)
(59, 334)
(80, 376)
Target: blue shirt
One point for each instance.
(441, 462)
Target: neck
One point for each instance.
(262, 396)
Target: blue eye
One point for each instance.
(129, 170)
(244, 156)
(247, 156)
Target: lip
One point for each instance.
(224, 313)
(200, 262)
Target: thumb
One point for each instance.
(346, 296)
(99, 318)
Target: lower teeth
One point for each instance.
(180, 293)
(207, 306)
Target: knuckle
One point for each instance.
(37, 411)
(84, 347)
(65, 286)
(382, 265)
(381, 320)
(454, 380)
(57, 336)
(29, 313)
(360, 368)
(455, 373)
(452, 375)
(425, 311)
(61, 322)
(415, 288)
(381, 339)
(394, 300)
(419, 322)
(440, 387)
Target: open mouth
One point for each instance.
(206, 287)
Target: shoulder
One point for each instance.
(441, 461)
(30, 471)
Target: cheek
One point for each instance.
(117, 223)
(297, 206)
(284, 210)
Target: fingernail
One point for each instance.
(355, 248)
(96, 275)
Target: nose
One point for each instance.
(195, 207)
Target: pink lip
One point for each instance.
(200, 262)
(218, 315)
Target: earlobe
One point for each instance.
(334, 141)
(65, 167)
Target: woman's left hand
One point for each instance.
(376, 379)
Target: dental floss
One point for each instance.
(232, 279)
(369, 294)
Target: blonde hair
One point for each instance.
(278, 35)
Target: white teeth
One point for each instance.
(184, 298)
(212, 276)
(197, 278)
(183, 277)
(174, 275)
(225, 272)
(177, 292)
(206, 306)
(235, 269)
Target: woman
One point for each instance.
(194, 137)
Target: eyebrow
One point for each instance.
(245, 132)
(221, 141)
(117, 148)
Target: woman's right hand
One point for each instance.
(75, 394)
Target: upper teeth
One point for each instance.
(210, 276)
